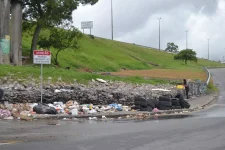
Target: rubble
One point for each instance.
(95, 92)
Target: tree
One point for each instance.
(171, 47)
(49, 13)
(61, 39)
(186, 55)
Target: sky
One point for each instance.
(136, 21)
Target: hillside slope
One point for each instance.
(105, 55)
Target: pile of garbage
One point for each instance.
(21, 111)
(74, 108)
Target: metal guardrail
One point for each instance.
(209, 76)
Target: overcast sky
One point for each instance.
(135, 21)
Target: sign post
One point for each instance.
(41, 57)
(87, 25)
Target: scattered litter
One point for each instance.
(62, 90)
(8, 118)
(155, 110)
(104, 117)
(128, 116)
(92, 118)
(4, 114)
(164, 90)
(101, 80)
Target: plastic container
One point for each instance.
(74, 112)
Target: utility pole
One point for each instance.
(159, 33)
(208, 49)
(4, 31)
(112, 17)
(186, 39)
(16, 49)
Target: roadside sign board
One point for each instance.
(42, 57)
(87, 25)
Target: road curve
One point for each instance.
(205, 131)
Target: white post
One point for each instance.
(41, 81)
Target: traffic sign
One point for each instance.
(42, 57)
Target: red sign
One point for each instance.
(40, 52)
(42, 57)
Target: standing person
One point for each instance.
(186, 87)
(1, 94)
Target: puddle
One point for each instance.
(8, 142)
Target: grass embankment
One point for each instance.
(102, 55)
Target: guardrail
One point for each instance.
(209, 76)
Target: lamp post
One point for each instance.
(112, 17)
(208, 49)
(159, 33)
(186, 39)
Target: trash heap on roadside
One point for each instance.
(70, 108)
(27, 110)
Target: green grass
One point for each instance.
(33, 72)
(212, 88)
(101, 55)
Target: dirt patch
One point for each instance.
(163, 73)
(85, 70)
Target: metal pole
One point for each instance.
(41, 81)
(208, 49)
(186, 39)
(112, 17)
(159, 34)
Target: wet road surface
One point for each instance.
(203, 131)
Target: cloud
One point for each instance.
(135, 21)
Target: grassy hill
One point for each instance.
(105, 55)
(102, 55)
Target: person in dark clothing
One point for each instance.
(1, 94)
(186, 87)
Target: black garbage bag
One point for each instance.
(182, 101)
(44, 109)
(1, 94)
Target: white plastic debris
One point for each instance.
(101, 80)
(57, 91)
(74, 112)
(8, 118)
(104, 117)
(93, 111)
(92, 118)
(164, 90)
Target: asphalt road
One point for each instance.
(203, 131)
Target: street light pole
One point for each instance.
(159, 33)
(208, 49)
(186, 39)
(112, 17)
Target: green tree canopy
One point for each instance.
(186, 55)
(171, 47)
(61, 39)
(49, 13)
